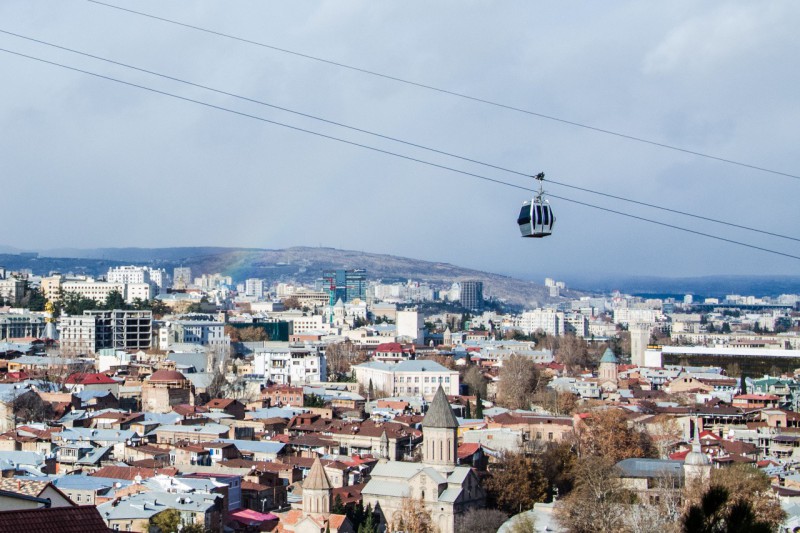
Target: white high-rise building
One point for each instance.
(549, 321)
(254, 288)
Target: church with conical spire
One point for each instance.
(445, 488)
(315, 516)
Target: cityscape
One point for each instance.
(399, 267)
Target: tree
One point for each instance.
(607, 434)
(292, 303)
(365, 520)
(717, 513)
(597, 503)
(573, 352)
(523, 523)
(34, 299)
(478, 406)
(73, 303)
(218, 386)
(166, 521)
(747, 483)
(115, 300)
(474, 380)
(29, 407)
(370, 390)
(195, 528)
(313, 400)
(557, 461)
(481, 521)
(743, 382)
(519, 378)
(340, 357)
(556, 402)
(252, 334)
(515, 483)
(158, 308)
(338, 506)
(413, 517)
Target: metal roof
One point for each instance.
(440, 414)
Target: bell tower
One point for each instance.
(440, 433)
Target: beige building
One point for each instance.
(165, 389)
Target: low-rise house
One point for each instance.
(173, 434)
(135, 512)
(27, 463)
(43, 490)
(228, 406)
(88, 490)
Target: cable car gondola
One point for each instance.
(536, 216)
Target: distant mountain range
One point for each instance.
(305, 264)
(301, 264)
(707, 286)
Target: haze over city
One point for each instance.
(713, 78)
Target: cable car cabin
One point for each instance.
(536, 219)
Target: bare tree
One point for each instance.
(413, 517)
(519, 378)
(340, 356)
(596, 503)
(481, 521)
(572, 352)
(474, 380)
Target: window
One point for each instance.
(447, 380)
(426, 379)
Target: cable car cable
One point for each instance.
(394, 139)
(387, 152)
(453, 93)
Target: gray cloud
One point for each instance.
(77, 152)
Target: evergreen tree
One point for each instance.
(370, 390)
(478, 405)
(468, 413)
(338, 506)
(743, 383)
(368, 525)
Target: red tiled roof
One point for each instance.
(129, 473)
(770, 397)
(167, 375)
(468, 448)
(348, 494)
(95, 378)
(389, 347)
(84, 519)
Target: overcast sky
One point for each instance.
(86, 162)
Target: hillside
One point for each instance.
(302, 264)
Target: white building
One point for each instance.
(411, 378)
(410, 324)
(141, 291)
(138, 275)
(627, 316)
(91, 288)
(282, 363)
(254, 288)
(548, 321)
(204, 332)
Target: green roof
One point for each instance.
(609, 357)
